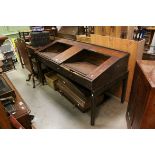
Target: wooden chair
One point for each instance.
(19, 55)
(26, 58)
(25, 35)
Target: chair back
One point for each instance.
(23, 51)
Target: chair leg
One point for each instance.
(29, 77)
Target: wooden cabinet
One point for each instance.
(22, 111)
(141, 107)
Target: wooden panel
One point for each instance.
(115, 31)
(130, 32)
(142, 90)
(135, 48)
(149, 119)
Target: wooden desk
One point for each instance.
(22, 110)
(109, 70)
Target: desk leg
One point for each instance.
(124, 90)
(40, 72)
(93, 108)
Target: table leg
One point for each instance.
(124, 90)
(93, 108)
(40, 75)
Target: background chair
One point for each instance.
(26, 58)
(25, 35)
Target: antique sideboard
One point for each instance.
(141, 107)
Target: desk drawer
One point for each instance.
(77, 95)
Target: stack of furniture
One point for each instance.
(40, 38)
(8, 55)
(5, 56)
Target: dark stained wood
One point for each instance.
(67, 54)
(141, 110)
(4, 121)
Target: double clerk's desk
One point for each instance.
(93, 67)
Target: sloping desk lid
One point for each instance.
(72, 49)
(89, 60)
(89, 67)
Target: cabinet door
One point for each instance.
(138, 99)
(142, 94)
(149, 115)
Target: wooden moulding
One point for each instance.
(135, 48)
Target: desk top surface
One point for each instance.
(148, 68)
(85, 60)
